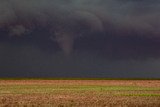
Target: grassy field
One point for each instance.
(80, 93)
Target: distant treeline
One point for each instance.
(79, 78)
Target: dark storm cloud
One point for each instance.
(105, 38)
(67, 20)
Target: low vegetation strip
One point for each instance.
(79, 78)
(22, 89)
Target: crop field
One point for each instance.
(79, 93)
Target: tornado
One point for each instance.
(65, 41)
(83, 24)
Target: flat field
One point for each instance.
(79, 93)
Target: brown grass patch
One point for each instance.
(81, 98)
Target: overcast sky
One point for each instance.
(80, 38)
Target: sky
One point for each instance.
(80, 38)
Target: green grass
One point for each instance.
(49, 89)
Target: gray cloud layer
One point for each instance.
(28, 61)
(67, 20)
